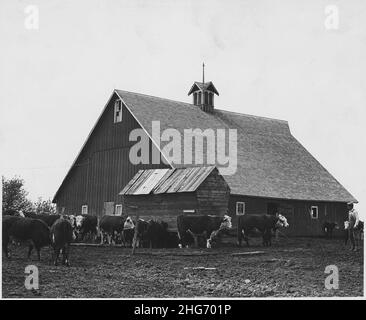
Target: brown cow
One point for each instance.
(34, 231)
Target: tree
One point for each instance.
(14, 195)
(44, 206)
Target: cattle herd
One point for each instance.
(59, 231)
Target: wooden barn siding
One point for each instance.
(296, 212)
(213, 195)
(164, 207)
(103, 167)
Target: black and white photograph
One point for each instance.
(195, 149)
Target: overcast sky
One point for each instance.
(268, 58)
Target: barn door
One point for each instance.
(108, 208)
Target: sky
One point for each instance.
(277, 59)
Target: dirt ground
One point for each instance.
(291, 267)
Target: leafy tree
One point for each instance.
(44, 206)
(14, 195)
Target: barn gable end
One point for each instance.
(102, 166)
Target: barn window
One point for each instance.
(199, 97)
(118, 211)
(189, 211)
(314, 212)
(240, 208)
(84, 209)
(195, 98)
(118, 111)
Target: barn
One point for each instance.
(265, 167)
(163, 194)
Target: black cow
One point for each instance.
(197, 225)
(265, 223)
(25, 229)
(86, 224)
(141, 232)
(328, 228)
(158, 236)
(61, 237)
(155, 234)
(110, 225)
(127, 237)
(129, 232)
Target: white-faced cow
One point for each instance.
(33, 231)
(128, 231)
(62, 235)
(200, 225)
(265, 223)
(86, 224)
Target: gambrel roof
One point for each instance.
(271, 163)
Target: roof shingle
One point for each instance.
(271, 163)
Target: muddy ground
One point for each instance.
(291, 267)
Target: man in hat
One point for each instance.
(353, 222)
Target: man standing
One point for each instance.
(353, 221)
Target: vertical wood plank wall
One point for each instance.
(103, 168)
(296, 212)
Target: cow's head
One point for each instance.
(281, 221)
(79, 221)
(71, 218)
(226, 222)
(128, 223)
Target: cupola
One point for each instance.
(203, 93)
